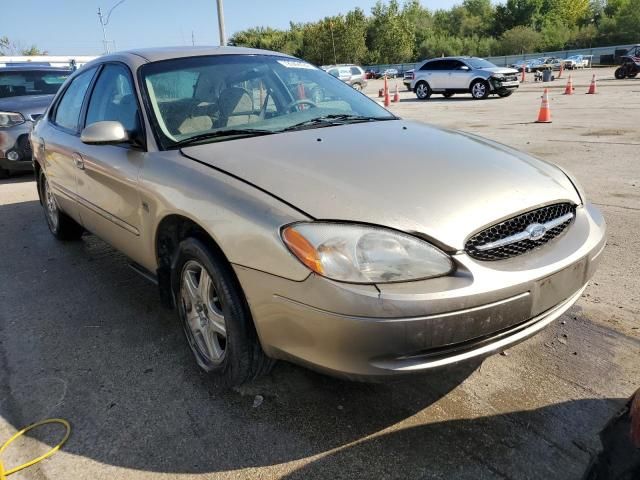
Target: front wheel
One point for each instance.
(480, 89)
(423, 91)
(505, 93)
(215, 315)
(620, 73)
(61, 225)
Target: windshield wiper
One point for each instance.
(245, 132)
(335, 119)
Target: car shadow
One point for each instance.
(478, 448)
(84, 338)
(17, 177)
(454, 99)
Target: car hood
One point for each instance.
(27, 104)
(413, 177)
(503, 70)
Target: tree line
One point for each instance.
(395, 33)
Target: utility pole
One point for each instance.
(104, 22)
(193, 39)
(223, 37)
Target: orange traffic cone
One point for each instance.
(593, 88)
(545, 112)
(396, 96)
(387, 100)
(569, 88)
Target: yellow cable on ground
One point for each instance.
(5, 473)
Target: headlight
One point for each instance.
(499, 77)
(10, 119)
(364, 254)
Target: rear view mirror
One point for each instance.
(104, 133)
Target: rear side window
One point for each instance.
(431, 65)
(113, 99)
(67, 114)
(356, 71)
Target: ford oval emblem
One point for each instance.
(536, 231)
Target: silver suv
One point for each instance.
(451, 75)
(351, 74)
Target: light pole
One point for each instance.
(104, 22)
(223, 37)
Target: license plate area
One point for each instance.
(550, 291)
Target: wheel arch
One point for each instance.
(170, 231)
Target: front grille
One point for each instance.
(511, 78)
(515, 226)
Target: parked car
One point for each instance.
(552, 63)
(530, 65)
(451, 75)
(274, 237)
(575, 61)
(351, 74)
(372, 73)
(25, 92)
(389, 73)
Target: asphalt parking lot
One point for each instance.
(84, 338)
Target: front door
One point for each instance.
(110, 204)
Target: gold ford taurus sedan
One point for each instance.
(286, 216)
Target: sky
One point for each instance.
(71, 27)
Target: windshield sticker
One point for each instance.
(296, 64)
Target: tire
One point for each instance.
(632, 75)
(620, 73)
(479, 89)
(505, 93)
(448, 94)
(215, 315)
(423, 91)
(357, 86)
(60, 224)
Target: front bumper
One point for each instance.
(363, 331)
(14, 141)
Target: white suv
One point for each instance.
(451, 75)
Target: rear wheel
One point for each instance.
(423, 91)
(61, 225)
(479, 89)
(620, 73)
(357, 86)
(215, 315)
(448, 94)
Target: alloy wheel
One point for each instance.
(203, 312)
(479, 90)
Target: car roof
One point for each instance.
(168, 53)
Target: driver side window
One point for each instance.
(113, 98)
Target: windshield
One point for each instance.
(205, 97)
(479, 63)
(30, 82)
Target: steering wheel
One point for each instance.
(303, 101)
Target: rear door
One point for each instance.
(429, 72)
(110, 204)
(62, 133)
(440, 75)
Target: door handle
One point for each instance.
(78, 161)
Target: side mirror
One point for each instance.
(104, 133)
(465, 68)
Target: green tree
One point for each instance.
(33, 50)
(390, 37)
(520, 39)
